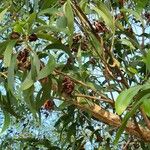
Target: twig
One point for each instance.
(95, 98)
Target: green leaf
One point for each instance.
(104, 12)
(48, 69)
(128, 115)
(31, 19)
(135, 14)
(46, 36)
(127, 43)
(2, 14)
(59, 46)
(125, 98)
(61, 22)
(6, 122)
(146, 60)
(28, 82)
(146, 106)
(69, 15)
(11, 70)
(8, 53)
(3, 46)
(36, 62)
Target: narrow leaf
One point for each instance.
(2, 14)
(47, 70)
(125, 98)
(128, 115)
(8, 53)
(28, 82)
(11, 69)
(69, 15)
(6, 122)
(104, 12)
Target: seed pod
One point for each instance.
(67, 85)
(49, 105)
(14, 35)
(32, 37)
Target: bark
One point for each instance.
(114, 120)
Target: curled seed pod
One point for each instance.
(49, 105)
(14, 35)
(99, 27)
(32, 37)
(23, 62)
(77, 38)
(22, 56)
(67, 85)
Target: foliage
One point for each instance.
(88, 62)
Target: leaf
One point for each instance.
(69, 15)
(29, 99)
(127, 43)
(2, 14)
(48, 69)
(59, 46)
(31, 20)
(36, 62)
(104, 12)
(8, 53)
(125, 98)
(46, 37)
(11, 69)
(6, 122)
(27, 83)
(49, 11)
(146, 106)
(135, 14)
(128, 115)
(61, 22)
(146, 60)
(3, 46)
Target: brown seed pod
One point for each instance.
(49, 105)
(23, 62)
(14, 35)
(77, 38)
(32, 37)
(67, 85)
(99, 27)
(22, 56)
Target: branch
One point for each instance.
(114, 120)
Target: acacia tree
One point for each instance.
(86, 60)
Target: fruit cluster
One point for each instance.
(67, 85)
(23, 62)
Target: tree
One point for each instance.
(87, 61)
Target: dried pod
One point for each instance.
(99, 27)
(67, 85)
(32, 37)
(14, 35)
(22, 56)
(49, 105)
(77, 38)
(23, 62)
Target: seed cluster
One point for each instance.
(79, 40)
(23, 62)
(99, 27)
(67, 85)
(48, 105)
